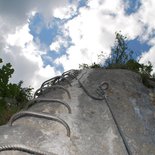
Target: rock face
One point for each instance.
(119, 120)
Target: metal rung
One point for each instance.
(37, 100)
(39, 91)
(71, 73)
(54, 81)
(60, 79)
(39, 115)
(54, 86)
(61, 87)
(49, 81)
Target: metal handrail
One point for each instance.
(61, 87)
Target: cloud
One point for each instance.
(146, 12)
(58, 43)
(93, 29)
(17, 45)
(21, 37)
(25, 57)
(83, 32)
(146, 16)
(65, 12)
(17, 11)
(149, 56)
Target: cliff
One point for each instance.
(86, 112)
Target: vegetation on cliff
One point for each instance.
(13, 97)
(121, 57)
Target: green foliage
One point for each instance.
(120, 53)
(83, 66)
(13, 97)
(121, 58)
(5, 74)
(94, 65)
(86, 66)
(133, 65)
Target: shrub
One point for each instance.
(13, 97)
(121, 58)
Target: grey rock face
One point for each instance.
(120, 121)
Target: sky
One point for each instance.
(42, 39)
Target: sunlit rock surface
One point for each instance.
(93, 129)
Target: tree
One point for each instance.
(13, 97)
(121, 58)
(120, 53)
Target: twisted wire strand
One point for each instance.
(119, 129)
(54, 81)
(39, 91)
(101, 89)
(66, 75)
(37, 100)
(59, 79)
(23, 148)
(39, 115)
(53, 86)
(49, 81)
(70, 73)
(87, 92)
(63, 88)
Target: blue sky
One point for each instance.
(44, 38)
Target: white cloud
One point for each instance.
(92, 31)
(146, 12)
(149, 56)
(55, 46)
(146, 16)
(17, 11)
(16, 42)
(65, 12)
(21, 37)
(25, 57)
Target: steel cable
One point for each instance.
(119, 129)
(23, 148)
(100, 91)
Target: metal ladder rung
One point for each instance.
(37, 100)
(39, 115)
